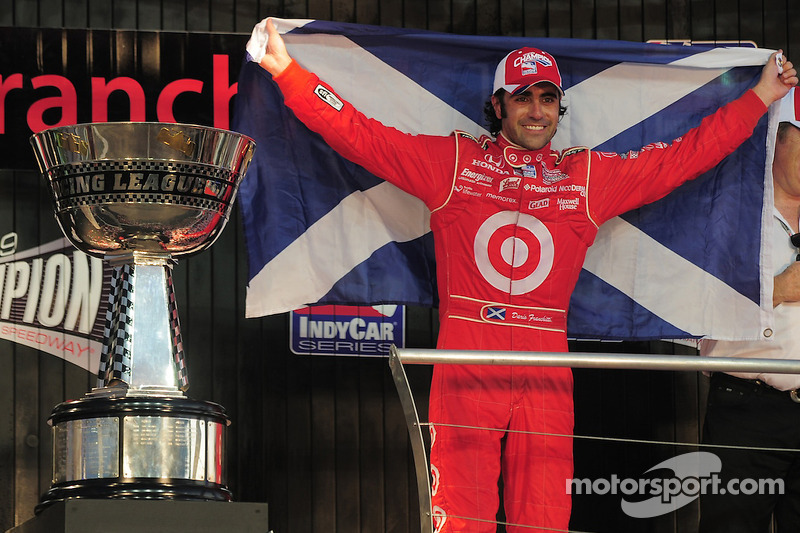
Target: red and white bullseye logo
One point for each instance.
(514, 252)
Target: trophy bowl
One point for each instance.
(140, 195)
(142, 186)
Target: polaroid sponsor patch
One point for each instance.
(329, 97)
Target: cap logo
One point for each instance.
(529, 62)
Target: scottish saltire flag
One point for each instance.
(320, 229)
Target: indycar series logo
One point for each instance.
(347, 330)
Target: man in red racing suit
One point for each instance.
(512, 220)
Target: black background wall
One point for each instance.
(323, 440)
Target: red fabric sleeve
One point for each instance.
(422, 165)
(618, 184)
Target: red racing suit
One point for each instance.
(511, 229)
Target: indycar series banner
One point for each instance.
(321, 230)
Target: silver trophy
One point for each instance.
(140, 195)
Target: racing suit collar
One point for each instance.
(517, 156)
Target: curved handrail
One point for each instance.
(400, 356)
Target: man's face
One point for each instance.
(531, 117)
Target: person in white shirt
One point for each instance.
(757, 410)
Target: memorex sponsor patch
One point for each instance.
(501, 198)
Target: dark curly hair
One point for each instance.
(495, 125)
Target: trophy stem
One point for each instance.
(143, 348)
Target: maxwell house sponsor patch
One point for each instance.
(568, 203)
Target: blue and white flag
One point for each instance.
(320, 229)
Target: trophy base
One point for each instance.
(136, 489)
(138, 447)
(135, 516)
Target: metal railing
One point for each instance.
(398, 357)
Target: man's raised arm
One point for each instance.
(777, 78)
